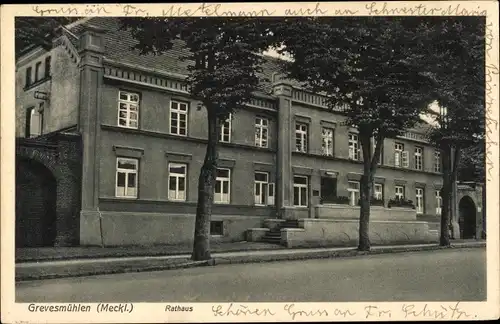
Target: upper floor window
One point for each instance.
(34, 121)
(222, 186)
(301, 137)
(400, 155)
(128, 109)
(419, 158)
(178, 118)
(353, 146)
(437, 161)
(327, 141)
(225, 130)
(28, 77)
(126, 177)
(261, 131)
(177, 181)
(47, 66)
(38, 67)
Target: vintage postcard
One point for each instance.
(250, 162)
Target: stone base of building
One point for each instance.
(336, 211)
(131, 228)
(344, 232)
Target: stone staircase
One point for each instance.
(274, 234)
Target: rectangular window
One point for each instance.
(261, 188)
(28, 77)
(327, 141)
(225, 130)
(38, 66)
(261, 131)
(353, 147)
(34, 121)
(128, 109)
(399, 192)
(439, 202)
(378, 191)
(437, 161)
(300, 191)
(270, 197)
(419, 158)
(222, 186)
(47, 66)
(398, 154)
(177, 181)
(301, 137)
(328, 190)
(126, 177)
(353, 190)
(216, 228)
(381, 157)
(419, 195)
(178, 118)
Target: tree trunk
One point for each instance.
(206, 181)
(365, 194)
(444, 239)
(454, 161)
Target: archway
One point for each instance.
(35, 204)
(467, 218)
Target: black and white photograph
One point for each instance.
(214, 154)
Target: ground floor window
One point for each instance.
(328, 189)
(300, 191)
(439, 202)
(222, 187)
(353, 189)
(177, 181)
(216, 228)
(378, 191)
(419, 195)
(126, 178)
(399, 192)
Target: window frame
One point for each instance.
(402, 191)
(399, 148)
(301, 187)
(178, 177)
(38, 67)
(302, 136)
(326, 139)
(127, 172)
(353, 192)
(353, 144)
(381, 186)
(223, 128)
(179, 112)
(222, 181)
(28, 77)
(437, 161)
(263, 189)
(260, 126)
(420, 208)
(128, 103)
(439, 202)
(419, 158)
(47, 67)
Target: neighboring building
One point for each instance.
(143, 143)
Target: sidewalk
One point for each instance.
(108, 263)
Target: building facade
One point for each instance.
(143, 143)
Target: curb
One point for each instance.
(336, 254)
(219, 260)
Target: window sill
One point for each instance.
(37, 83)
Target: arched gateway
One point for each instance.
(467, 218)
(48, 186)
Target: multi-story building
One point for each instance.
(143, 143)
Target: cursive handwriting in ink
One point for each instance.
(89, 9)
(384, 8)
(289, 308)
(450, 312)
(376, 312)
(239, 310)
(129, 10)
(214, 10)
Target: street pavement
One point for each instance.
(441, 275)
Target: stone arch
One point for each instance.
(36, 208)
(45, 157)
(467, 217)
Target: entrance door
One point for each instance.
(35, 205)
(467, 218)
